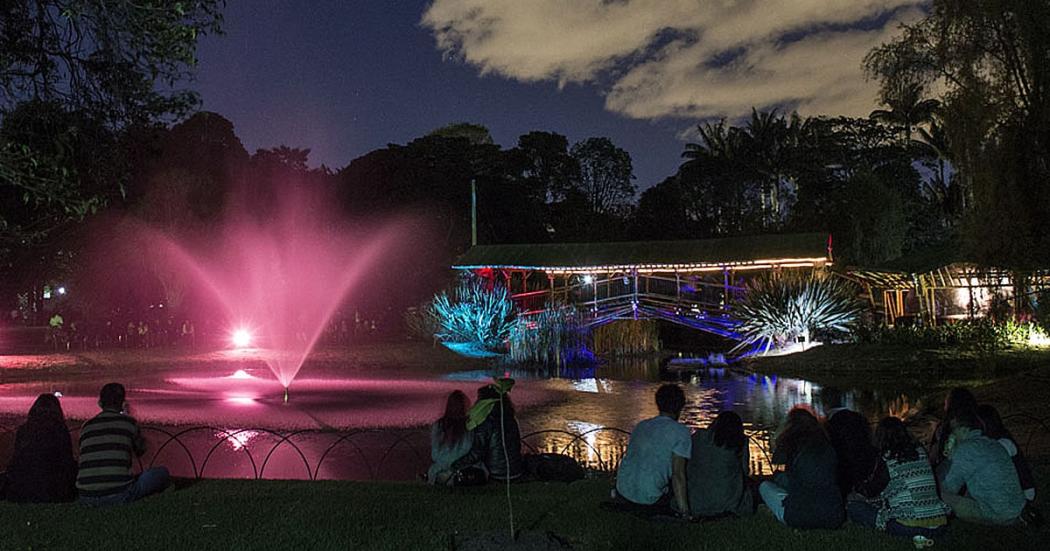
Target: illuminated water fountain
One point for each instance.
(279, 279)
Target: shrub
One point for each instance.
(977, 334)
(777, 309)
(475, 313)
(627, 337)
(1042, 309)
(422, 322)
(553, 337)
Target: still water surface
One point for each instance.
(213, 421)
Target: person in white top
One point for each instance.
(653, 471)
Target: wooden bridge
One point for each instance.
(691, 283)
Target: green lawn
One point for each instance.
(229, 514)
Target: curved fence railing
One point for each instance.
(390, 454)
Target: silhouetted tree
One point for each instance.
(606, 175)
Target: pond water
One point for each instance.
(225, 417)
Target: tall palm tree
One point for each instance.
(769, 139)
(907, 109)
(933, 144)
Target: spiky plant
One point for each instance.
(475, 313)
(779, 309)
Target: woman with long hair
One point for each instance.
(959, 399)
(909, 505)
(42, 469)
(860, 469)
(718, 469)
(449, 438)
(806, 494)
(497, 440)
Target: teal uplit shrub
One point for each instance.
(476, 315)
(776, 310)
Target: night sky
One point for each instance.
(344, 78)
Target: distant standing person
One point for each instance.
(449, 438)
(107, 443)
(42, 469)
(806, 494)
(653, 471)
(718, 469)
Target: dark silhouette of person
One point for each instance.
(42, 468)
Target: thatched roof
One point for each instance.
(728, 251)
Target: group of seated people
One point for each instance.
(42, 468)
(832, 469)
(492, 450)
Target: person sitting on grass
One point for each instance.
(495, 444)
(449, 438)
(42, 468)
(107, 442)
(805, 495)
(958, 399)
(653, 471)
(996, 430)
(982, 467)
(909, 505)
(718, 469)
(860, 468)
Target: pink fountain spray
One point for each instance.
(280, 277)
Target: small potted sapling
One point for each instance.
(477, 415)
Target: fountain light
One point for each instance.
(241, 338)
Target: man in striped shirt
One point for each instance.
(107, 443)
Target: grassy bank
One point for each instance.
(401, 516)
(873, 365)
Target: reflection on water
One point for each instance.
(610, 400)
(375, 429)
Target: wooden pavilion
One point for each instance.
(939, 284)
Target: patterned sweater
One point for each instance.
(911, 494)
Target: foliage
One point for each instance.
(779, 309)
(482, 408)
(547, 165)
(606, 175)
(626, 337)
(117, 64)
(979, 334)
(476, 134)
(553, 337)
(1042, 310)
(783, 172)
(871, 225)
(988, 59)
(475, 313)
(422, 322)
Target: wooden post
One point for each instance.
(725, 289)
